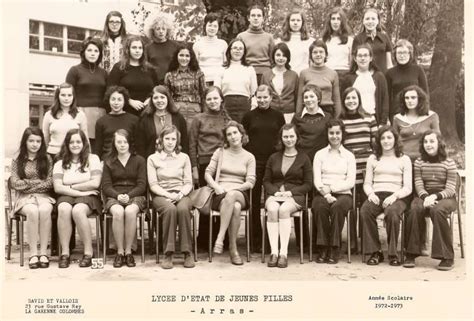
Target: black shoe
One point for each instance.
(333, 257)
(446, 265)
(118, 261)
(168, 261)
(45, 263)
(375, 258)
(35, 264)
(322, 256)
(282, 261)
(409, 261)
(273, 262)
(64, 261)
(86, 261)
(130, 260)
(393, 260)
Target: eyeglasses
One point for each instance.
(111, 22)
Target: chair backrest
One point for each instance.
(9, 194)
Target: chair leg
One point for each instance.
(194, 218)
(157, 241)
(97, 233)
(104, 242)
(460, 228)
(402, 243)
(17, 223)
(264, 232)
(10, 232)
(22, 250)
(310, 229)
(247, 232)
(142, 231)
(348, 218)
(210, 238)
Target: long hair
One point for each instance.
(378, 150)
(164, 19)
(283, 47)
(116, 89)
(165, 131)
(125, 60)
(113, 154)
(372, 65)
(106, 31)
(442, 153)
(321, 44)
(280, 145)
(42, 160)
(65, 154)
(344, 30)
(233, 123)
(423, 106)
(286, 33)
(56, 106)
(359, 110)
(150, 108)
(379, 25)
(243, 60)
(193, 63)
(91, 41)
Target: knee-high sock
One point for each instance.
(285, 231)
(272, 228)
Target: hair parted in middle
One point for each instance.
(283, 47)
(125, 60)
(193, 63)
(116, 89)
(95, 42)
(65, 154)
(423, 107)
(442, 154)
(150, 108)
(286, 33)
(228, 57)
(42, 159)
(397, 147)
(241, 129)
(166, 131)
(344, 30)
(280, 145)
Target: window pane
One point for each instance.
(34, 42)
(74, 47)
(53, 30)
(34, 110)
(76, 33)
(34, 27)
(54, 45)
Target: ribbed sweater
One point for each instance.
(160, 55)
(435, 178)
(89, 82)
(210, 53)
(299, 50)
(106, 127)
(259, 48)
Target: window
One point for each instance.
(56, 38)
(41, 97)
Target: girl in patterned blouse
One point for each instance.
(31, 178)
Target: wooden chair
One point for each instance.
(247, 214)
(298, 214)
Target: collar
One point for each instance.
(183, 71)
(163, 155)
(341, 149)
(371, 35)
(305, 111)
(418, 120)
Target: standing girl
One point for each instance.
(113, 38)
(337, 36)
(186, 83)
(238, 82)
(210, 50)
(124, 185)
(370, 82)
(76, 178)
(135, 74)
(89, 81)
(296, 36)
(31, 177)
(282, 81)
(62, 117)
(387, 184)
(378, 40)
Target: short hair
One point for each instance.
(150, 108)
(333, 122)
(256, 6)
(279, 144)
(65, 154)
(286, 34)
(315, 89)
(116, 89)
(264, 87)
(442, 153)
(378, 150)
(210, 17)
(372, 65)
(423, 107)
(243, 60)
(283, 47)
(408, 45)
(318, 43)
(56, 106)
(168, 129)
(106, 30)
(344, 30)
(233, 123)
(161, 18)
(125, 60)
(360, 109)
(193, 63)
(92, 41)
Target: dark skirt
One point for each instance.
(140, 201)
(237, 106)
(92, 201)
(217, 199)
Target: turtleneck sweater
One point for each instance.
(327, 80)
(89, 82)
(210, 53)
(299, 50)
(259, 48)
(238, 79)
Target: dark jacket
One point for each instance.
(298, 179)
(286, 102)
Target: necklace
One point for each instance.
(290, 155)
(92, 70)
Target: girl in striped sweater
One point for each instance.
(435, 185)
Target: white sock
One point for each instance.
(285, 231)
(272, 228)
